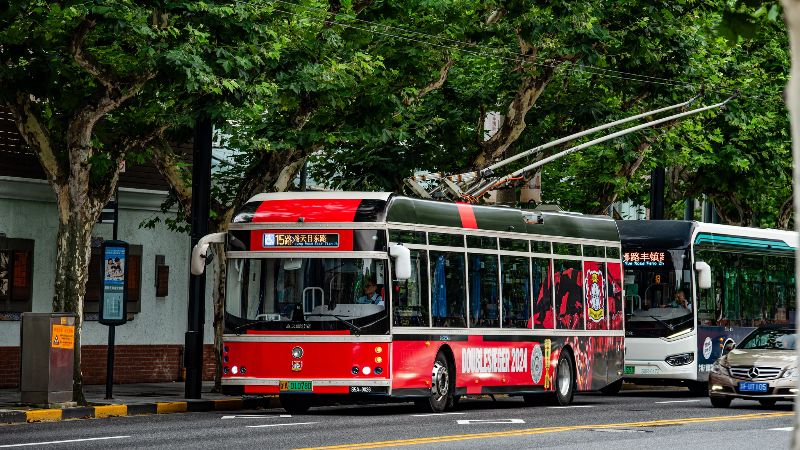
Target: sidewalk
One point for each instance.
(130, 399)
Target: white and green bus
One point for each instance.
(733, 279)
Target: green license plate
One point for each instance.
(630, 370)
(295, 386)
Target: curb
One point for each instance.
(10, 416)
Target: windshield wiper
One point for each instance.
(249, 324)
(350, 325)
(662, 323)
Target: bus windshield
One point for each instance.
(296, 294)
(657, 292)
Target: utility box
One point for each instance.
(47, 342)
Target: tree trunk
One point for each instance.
(791, 9)
(220, 284)
(77, 214)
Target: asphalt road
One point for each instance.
(631, 420)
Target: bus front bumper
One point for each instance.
(658, 370)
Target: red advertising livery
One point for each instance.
(373, 294)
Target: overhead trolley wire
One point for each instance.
(457, 45)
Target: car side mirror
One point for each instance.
(703, 274)
(402, 261)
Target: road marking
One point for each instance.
(782, 429)
(255, 416)
(534, 431)
(63, 442)
(680, 401)
(437, 414)
(571, 406)
(281, 424)
(482, 421)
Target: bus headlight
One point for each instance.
(681, 359)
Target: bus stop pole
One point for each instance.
(112, 328)
(201, 189)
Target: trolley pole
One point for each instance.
(201, 190)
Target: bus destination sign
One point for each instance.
(644, 258)
(284, 240)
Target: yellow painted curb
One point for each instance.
(228, 404)
(43, 415)
(171, 407)
(110, 411)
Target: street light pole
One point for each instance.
(201, 191)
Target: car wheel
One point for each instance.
(565, 380)
(613, 388)
(720, 402)
(295, 404)
(768, 402)
(442, 385)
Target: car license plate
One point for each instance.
(747, 386)
(295, 386)
(630, 370)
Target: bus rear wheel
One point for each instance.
(442, 386)
(565, 380)
(295, 403)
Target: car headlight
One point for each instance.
(791, 372)
(720, 367)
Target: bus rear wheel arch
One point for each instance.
(443, 383)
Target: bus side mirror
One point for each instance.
(402, 261)
(200, 256)
(703, 274)
(729, 345)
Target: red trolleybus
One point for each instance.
(373, 294)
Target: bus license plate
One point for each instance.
(748, 386)
(630, 370)
(295, 386)
(360, 389)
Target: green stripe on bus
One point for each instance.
(704, 238)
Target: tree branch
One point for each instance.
(785, 213)
(434, 85)
(36, 136)
(167, 163)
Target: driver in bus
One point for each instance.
(371, 295)
(681, 301)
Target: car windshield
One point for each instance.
(770, 338)
(307, 294)
(658, 300)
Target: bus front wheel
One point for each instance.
(295, 403)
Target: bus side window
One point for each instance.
(516, 291)
(484, 292)
(448, 292)
(569, 294)
(410, 299)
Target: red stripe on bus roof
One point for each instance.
(311, 210)
(467, 215)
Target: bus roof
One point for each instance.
(386, 207)
(680, 233)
